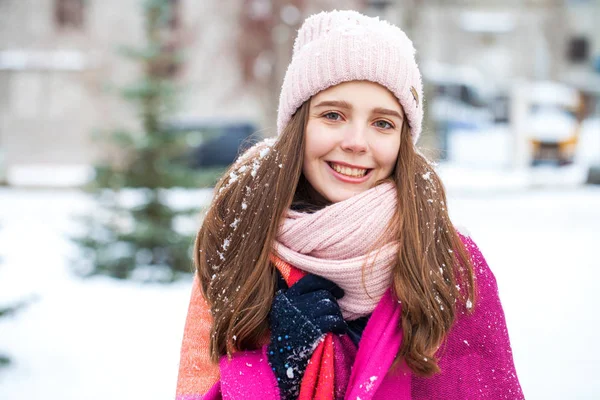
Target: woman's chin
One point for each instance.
(341, 194)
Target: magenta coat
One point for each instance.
(475, 360)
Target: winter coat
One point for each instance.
(475, 359)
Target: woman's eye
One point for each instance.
(383, 124)
(333, 116)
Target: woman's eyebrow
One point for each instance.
(385, 111)
(335, 103)
(348, 106)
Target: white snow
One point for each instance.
(588, 145)
(49, 175)
(226, 243)
(489, 146)
(53, 60)
(264, 152)
(79, 340)
(540, 243)
(370, 384)
(99, 338)
(551, 124)
(255, 166)
(554, 93)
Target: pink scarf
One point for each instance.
(345, 242)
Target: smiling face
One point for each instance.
(352, 139)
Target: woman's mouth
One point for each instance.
(349, 174)
(348, 171)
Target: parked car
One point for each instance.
(554, 122)
(461, 95)
(218, 144)
(461, 100)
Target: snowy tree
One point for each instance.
(139, 240)
(5, 311)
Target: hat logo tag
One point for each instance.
(415, 94)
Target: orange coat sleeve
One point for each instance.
(197, 374)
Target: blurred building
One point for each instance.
(486, 46)
(60, 71)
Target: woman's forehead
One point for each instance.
(358, 94)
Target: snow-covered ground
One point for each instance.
(101, 339)
(541, 245)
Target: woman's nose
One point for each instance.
(355, 139)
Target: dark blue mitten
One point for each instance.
(300, 317)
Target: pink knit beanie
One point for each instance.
(341, 46)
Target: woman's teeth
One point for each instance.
(354, 172)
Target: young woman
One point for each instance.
(327, 265)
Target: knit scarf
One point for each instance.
(382, 339)
(347, 243)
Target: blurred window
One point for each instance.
(461, 92)
(578, 49)
(175, 20)
(69, 13)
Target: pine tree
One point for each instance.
(140, 241)
(7, 310)
(4, 311)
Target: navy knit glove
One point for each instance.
(300, 317)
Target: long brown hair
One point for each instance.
(432, 276)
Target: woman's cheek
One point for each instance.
(388, 153)
(319, 141)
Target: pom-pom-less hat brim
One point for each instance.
(341, 46)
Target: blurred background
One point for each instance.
(118, 117)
